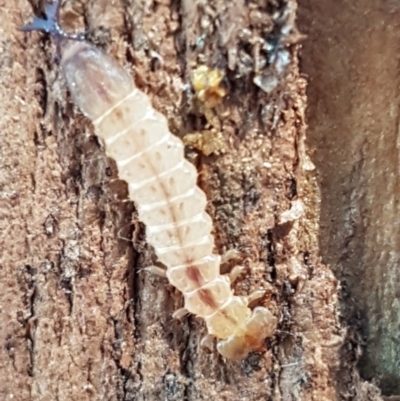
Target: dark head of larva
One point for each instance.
(96, 82)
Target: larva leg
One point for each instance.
(207, 342)
(254, 296)
(158, 271)
(228, 255)
(235, 272)
(180, 313)
(121, 237)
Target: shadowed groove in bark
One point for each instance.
(353, 130)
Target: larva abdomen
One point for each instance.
(190, 278)
(185, 233)
(176, 181)
(230, 318)
(140, 137)
(135, 110)
(164, 216)
(137, 168)
(212, 296)
(161, 182)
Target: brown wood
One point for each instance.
(352, 58)
(80, 319)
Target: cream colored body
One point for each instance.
(162, 183)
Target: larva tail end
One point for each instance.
(260, 325)
(50, 24)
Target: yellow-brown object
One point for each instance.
(207, 85)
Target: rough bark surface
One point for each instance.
(352, 59)
(80, 320)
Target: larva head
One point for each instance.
(260, 325)
(95, 80)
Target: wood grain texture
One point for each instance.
(352, 59)
(82, 321)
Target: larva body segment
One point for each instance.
(162, 183)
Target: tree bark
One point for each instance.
(352, 58)
(81, 320)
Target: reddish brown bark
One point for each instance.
(81, 321)
(352, 58)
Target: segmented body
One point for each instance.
(162, 183)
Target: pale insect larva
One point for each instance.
(162, 184)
